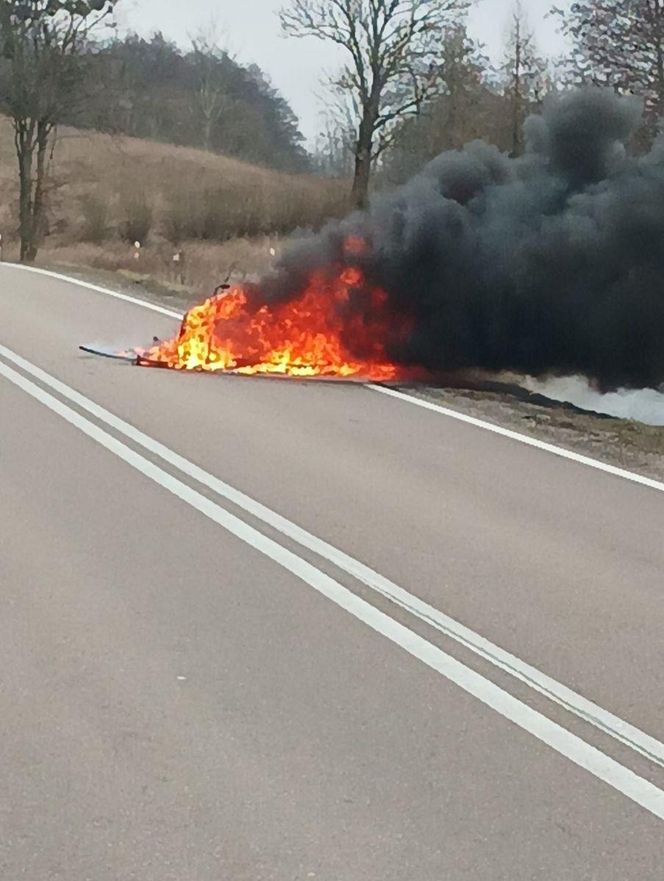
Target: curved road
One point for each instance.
(259, 629)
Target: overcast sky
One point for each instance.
(249, 29)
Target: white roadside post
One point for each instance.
(178, 266)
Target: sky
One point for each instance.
(249, 30)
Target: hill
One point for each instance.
(199, 97)
(105, 192)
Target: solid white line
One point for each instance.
(402, 396)
(574, 703)
(521, 438)
(555, 691)
(145, 304)
(622, 779)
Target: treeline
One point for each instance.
(609, 43)
(477, 100)
(201, 97)
(467, 97)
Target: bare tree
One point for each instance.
(462, 72)
(392, 64)
(619, 44)
(335, 144)
(524, 74)
(41, 43)
(210, 95)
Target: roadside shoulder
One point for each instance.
(624, 443)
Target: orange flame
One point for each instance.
(304, 337)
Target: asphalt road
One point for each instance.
(191, 689)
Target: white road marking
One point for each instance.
(145, 304)
(603, 767)
(410, 399)
(560, 694)
(521, 438)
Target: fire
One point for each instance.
(313, 335)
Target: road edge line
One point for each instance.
(561, 452)
(127, 298)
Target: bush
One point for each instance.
(217, 211)
(177, 218)
(95, 225)
(136, 218)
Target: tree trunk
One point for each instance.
(360, 191)
(43, 133)
(207, 131)
(31, 185)
(25, 156)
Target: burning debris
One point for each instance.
(233, 331)
(548, 264)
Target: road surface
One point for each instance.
(257, 629)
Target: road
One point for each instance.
(194, 688)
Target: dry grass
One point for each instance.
(202, 265)
(104, 188)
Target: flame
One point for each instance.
(309, 336)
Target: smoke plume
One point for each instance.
(552, 263)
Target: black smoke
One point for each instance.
(552, 263)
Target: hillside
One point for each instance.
(107, 191)
(195, 97)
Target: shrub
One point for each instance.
(136, 218)
(96, 219)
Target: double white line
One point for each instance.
(35, 382)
